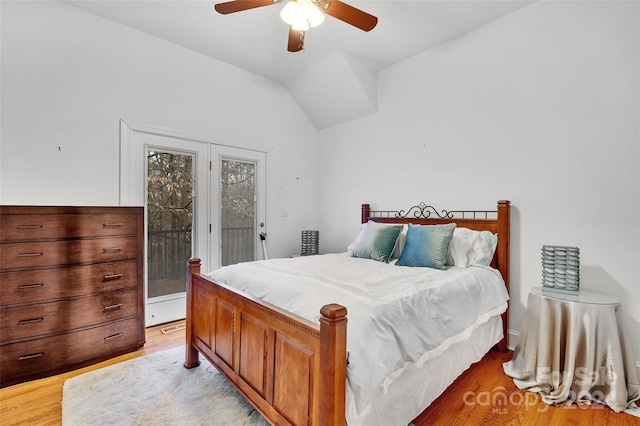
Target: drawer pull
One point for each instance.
(112, 277)
(30, 254)
(34, 285)
(112, 225)
(113, 336)
(31, 320)
(111, 250)
(29, 227)
(30, 356)
(112, 307)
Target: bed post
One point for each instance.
(365, 213)
(504, 226)
(191, 358)
(333, 364)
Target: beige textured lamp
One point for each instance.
(561, 269)
(310, 243)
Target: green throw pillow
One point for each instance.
(377, 241)
(427, 246)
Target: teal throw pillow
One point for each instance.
(377, 241)
(427, 246)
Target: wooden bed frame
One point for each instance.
(293, 371)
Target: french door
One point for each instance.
(166, 173)
(201, 200)
(238, 205)
(170, 207)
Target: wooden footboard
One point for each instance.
(291, 370)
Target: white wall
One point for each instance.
(68, 77)
(540, 107)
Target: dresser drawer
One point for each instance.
(59, 253)
(28, 321)
(44, 226)
(41, 285)
(19, 361)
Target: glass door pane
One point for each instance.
(237, 211)
(169, 221)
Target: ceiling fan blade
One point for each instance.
(296, 40)
(240, 5)
(351, 15)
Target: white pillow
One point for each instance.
(353, 245)
(399, 244)
(402, 238)
(469, 247)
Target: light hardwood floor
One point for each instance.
(39, 402)
(473, 399)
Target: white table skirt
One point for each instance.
(575, 349)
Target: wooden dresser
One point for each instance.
(71, 288)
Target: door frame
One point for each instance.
(133, 192)
(135, 141)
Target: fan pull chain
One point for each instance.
(301, 45)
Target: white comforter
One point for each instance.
(398, 317)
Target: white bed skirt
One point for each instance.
(414, 390)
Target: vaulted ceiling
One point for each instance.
(334, 79)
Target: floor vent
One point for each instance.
(172, 328)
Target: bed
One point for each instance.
(296, 364)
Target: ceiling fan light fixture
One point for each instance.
(302, 14)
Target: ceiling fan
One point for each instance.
(304, 14)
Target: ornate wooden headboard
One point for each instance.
(496, 221)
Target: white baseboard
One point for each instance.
(512, 338)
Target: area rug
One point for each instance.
(155, 390)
